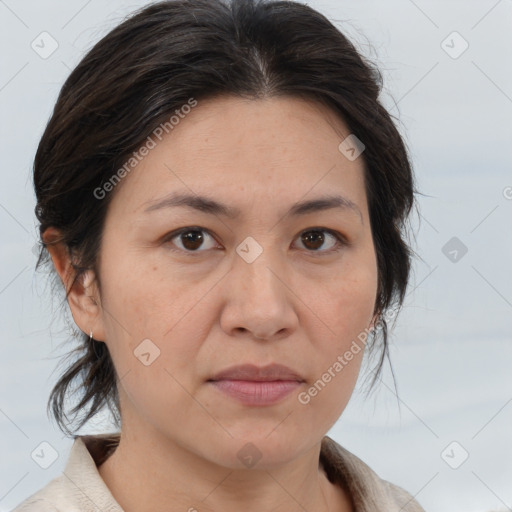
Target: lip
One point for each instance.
(257, 386)
(251, 372)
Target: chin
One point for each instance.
(258, 448)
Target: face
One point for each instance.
(189, 292)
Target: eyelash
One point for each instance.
(341, 239)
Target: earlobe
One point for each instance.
(82, 293)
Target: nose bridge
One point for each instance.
(257, 299)
(256, 266)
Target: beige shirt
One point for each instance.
(80, 487)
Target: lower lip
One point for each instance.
(255, 392)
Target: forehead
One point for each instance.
(241, 151)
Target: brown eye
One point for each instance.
(197, 240)
(191, 239)
(315, 239)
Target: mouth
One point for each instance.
(257, 386)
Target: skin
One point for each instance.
(297, 304)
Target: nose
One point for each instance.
(259, 301)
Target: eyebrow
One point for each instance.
(212, 207)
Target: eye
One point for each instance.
(314, 238)
(190, 238)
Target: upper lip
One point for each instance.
(271, 372)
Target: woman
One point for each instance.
(223, 198)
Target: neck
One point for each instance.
(145, 474)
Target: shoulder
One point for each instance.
(47, 499)
(368, 491)
(80, 486)
(401, 497)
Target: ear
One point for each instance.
(82, 294)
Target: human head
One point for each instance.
(149, 67)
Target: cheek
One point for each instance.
(158, 304)
(139, 296)
(345, 304)
(345, 307)
(154, 333)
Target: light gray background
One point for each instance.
(451, 350)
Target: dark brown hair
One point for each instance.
(134, 78)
